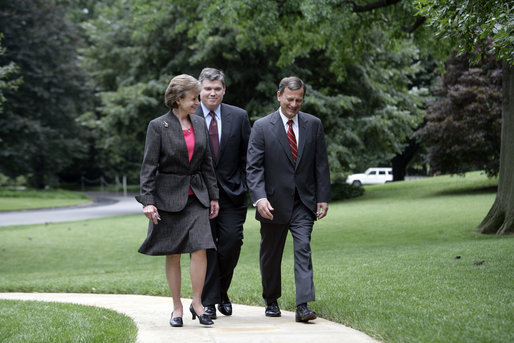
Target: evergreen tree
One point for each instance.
(6, 82)
(40, 134)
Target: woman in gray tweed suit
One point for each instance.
(179, 192)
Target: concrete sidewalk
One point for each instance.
(248, 324)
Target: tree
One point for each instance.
(469, 24)
(128, 87)
(40, 135)
(357, 59)
(463, 120)
(138, 45)
(6, 83)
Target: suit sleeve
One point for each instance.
(245, 137)
(149, 166)
(322, 168)
(255, 164)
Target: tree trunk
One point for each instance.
(500, 219)
(400, 161)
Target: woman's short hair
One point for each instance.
(293, 83)
(178, 87)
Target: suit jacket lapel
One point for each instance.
(280, 132)
(303, 128)
(175, 134)
(226, 127)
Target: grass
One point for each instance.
(57, 322)
(384, 263)
(27, 199)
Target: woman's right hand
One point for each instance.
(150, 212)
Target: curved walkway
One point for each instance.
(151, 314)
(248, 324)
(103, 205)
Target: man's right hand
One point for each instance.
(264, 208)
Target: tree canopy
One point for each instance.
(40, 134)
(463, 118)
(6, 82)
(470, 24)
(98, 76)
(360, 79)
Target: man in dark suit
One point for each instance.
(289, 182)
(229, 131)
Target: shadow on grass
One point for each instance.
(468, 191)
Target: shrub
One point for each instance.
(341, 190)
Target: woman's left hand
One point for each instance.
(215, 208)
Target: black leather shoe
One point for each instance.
(176, 322)
(210, 310)
(225, 307)
(204, 319)
(303, 314)
(272, 310)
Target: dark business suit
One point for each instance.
(227, 228)
(293, 190)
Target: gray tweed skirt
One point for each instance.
(181, 232)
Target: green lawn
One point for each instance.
(31, 321)
(12, 200)
(384, 263)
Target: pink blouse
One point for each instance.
(189, 136)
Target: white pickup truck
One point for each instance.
(371, 176)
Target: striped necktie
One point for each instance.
(292, 140)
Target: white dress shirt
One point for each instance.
(295, 125)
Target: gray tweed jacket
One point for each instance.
(166, 172)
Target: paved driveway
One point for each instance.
(104, 205)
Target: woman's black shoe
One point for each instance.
(176, 322)
(204, 319)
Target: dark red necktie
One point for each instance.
(213, 134)
(292, 140)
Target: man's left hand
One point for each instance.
(322, 209)
(215, 208)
